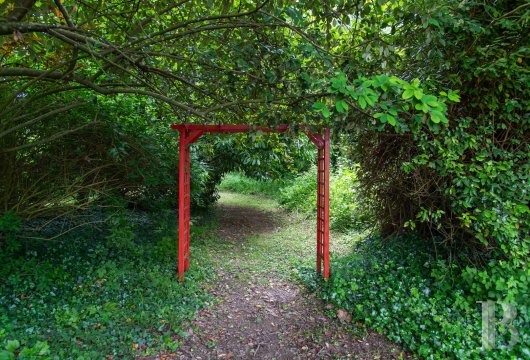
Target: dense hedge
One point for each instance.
(115, 151)
(466, 181)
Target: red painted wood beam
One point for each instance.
(183, 157)
(193, 136)
(227, 128)
(316, 139)
(326, 202)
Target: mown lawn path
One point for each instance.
(261, 313)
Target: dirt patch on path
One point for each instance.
(260, 316)
(275, 321)
(238, 222)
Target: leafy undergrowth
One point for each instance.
(397, 288)
(101, 292)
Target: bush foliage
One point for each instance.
(467, 179)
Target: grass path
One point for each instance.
(261, 311)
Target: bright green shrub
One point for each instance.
(345, 212)
(300, 193)
(442, 135)
(465, 180)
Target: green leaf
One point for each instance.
(271, 77)
(434, 22)
(325, 112)
(12, 345)
(454, 97)
(342, 106)
(338, 83)
(407, 94)
(418, 94)
(421, 106)
(437, 117)
(362, 102)
(429, 100)
(371, 99)
(318, 106)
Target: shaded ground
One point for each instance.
(237, 222)
(261, 314)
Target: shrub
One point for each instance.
(465, 178)
(77, 162)
(113, 288)
(345, 211)
(300, 193)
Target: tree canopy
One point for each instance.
(429, 97)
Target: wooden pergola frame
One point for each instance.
(190, 133)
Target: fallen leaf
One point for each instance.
(17, 35)
(343, 315)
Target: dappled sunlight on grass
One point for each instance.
(291, 243)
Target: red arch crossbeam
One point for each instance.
(189, 133)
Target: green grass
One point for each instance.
(243, 200)
(106, 292)
(238, 182)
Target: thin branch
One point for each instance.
(66, 16)
(39, 118)
(20, 10)
(195, 21)
(62, 233)
(140, 26)
(56, 75)
(44, 141)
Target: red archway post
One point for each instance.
(186, 138)
(191, 133)
(323, 160)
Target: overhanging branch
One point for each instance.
(56, 75)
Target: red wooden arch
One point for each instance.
(190, 133)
